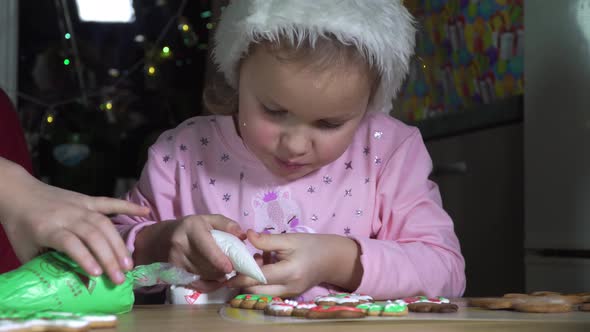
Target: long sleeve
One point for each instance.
(415, 250)
(155, 189)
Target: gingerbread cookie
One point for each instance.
(343, 299)
(53, 321)
(302, 308)
(332, 312)
(279, 308)
(437, 304)
(495, 303)
(540, 302)
(390, 308)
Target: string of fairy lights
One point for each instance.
(155, 54)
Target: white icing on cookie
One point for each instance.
(279, 306)
(306, 305)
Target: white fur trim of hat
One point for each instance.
(382, 30)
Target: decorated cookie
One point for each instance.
(425, 299)
(331, 312)
(11, 320)
(264, 300)
(343, 299)
(371, 309)
(437, 304)
(395, 308)
(279, 308)
(302, 308)
(441, 308)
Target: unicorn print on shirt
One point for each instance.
(276, 213)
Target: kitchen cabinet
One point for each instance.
(480, 176)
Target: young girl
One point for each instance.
(305, 158)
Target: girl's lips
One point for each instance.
(289, 165)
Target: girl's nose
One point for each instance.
(295, 142)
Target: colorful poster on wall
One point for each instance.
(468, 52)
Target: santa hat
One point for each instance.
(382, 30)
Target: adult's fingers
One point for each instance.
(94, 239)
(114, 238)
(107, 205)
(69, 243)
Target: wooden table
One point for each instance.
(171, 318)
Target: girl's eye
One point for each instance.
(274, 113)
(328, 125)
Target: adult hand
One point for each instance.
(37, 216)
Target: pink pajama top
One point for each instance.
(377, 193)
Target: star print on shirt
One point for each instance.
(204, 141)
(347, 231)
(358, 213)
(166, 159)
(348, 165)
(366, 150)
(225, 157)
(327, 180)
(378, 134)
(314, 218)
(195, 186)
(183, 147)
(377, 161)
(367, 180)
(226, 197)
(348, 192)
(212, 181)
(199, 163)
(311, 190)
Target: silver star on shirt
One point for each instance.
(314, 218)
(359, 213)
(378, 134)
(377, 161)
(348, 192)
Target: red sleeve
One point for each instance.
(13, 146)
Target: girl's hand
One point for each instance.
(188, 243)
(303, 261)
(37, 216)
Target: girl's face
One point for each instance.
(295, 119)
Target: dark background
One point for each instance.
(121, 113)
